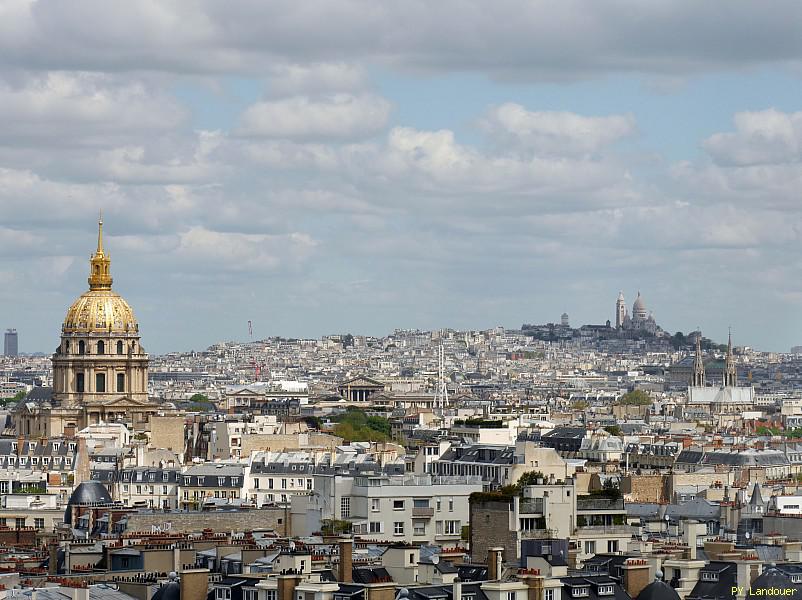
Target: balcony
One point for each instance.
(531, 506)
(592, 530)
(599, 504)
(537, 534)
(422, 511)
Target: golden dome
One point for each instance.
(100, 310)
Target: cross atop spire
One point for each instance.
(100, 233)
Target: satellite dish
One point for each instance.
(435, 559)
(292, 546)
(644, 537)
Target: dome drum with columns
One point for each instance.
(100, 370)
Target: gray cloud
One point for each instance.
(544, 39)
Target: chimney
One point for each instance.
(636, 576)
(20, 444)
(494, 562)
(456, 590)
(52, 558)
(81, 462)
(344, 574)
(691, 535)
(286, 586)
(194, 584)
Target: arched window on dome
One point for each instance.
(81, 347)
(79, 383)
(119, 347)
(100, 382)
(66, 347)
(120, 382)
(101, 347)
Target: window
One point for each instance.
(548, 594)
(439, 505)
(100, 382)
(79, 381)
(120, 382)
(419, 528)
(283, 484)
(398, 505)
(221, 481)
(580, 592)
(375, 527)
(606, 590)
(590, 547)
(709, 576)
(119, 347)
(250, 595)
(165, 476)
(451, 505)
(256, 483)
(101, 347)
(398, 528)
(612, 546)
(452, 527)
(39, 523)
(438, 528)
(164, 490)
(270, 594)
(270, 484)
(375, 504)
(345, 507)
(420, 503)
(511, 595)
(82, 348)
(19, 522)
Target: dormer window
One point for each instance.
(580, 591)
(606, 590)
(796, 578)
(709, 576)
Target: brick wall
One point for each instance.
(490, 528)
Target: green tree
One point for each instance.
(354, 425)
(614, 430)
(634, 398)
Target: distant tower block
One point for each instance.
(10, 343)
(620, 311)
(564, 320)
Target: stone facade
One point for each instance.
(276, 519)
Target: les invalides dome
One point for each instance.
(100, 370)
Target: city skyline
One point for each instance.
(420, 168)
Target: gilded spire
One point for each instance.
(99, 263)
(100, 234)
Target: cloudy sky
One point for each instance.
(337, 165)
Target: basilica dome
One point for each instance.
(639, 308)
(100, 310)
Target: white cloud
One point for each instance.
(556, 132)
(297, 79)
(73, 109)
(332, 116)
(243, 252)
(761, 137)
